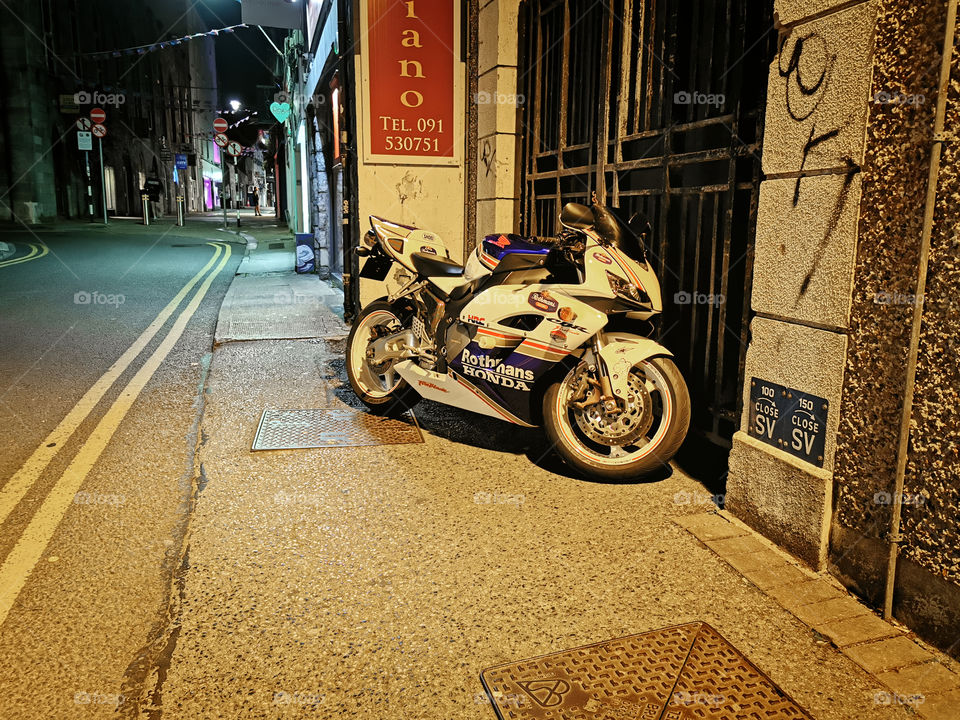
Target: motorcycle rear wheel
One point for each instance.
(666, 404)
(385, 393)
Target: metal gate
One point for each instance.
(657, 105)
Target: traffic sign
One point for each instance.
(84, 140)
(234, 148)
(221, 139)
(220, 125)
(98, 115)
(84, 124)
(99, 130)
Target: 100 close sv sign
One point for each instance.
(410, 84)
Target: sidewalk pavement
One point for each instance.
(208, 225)
(269, 301)
(377, 582)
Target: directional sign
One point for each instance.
(98, 115)
(220, 125)
(221, 139)
(84, 124)
(234, 148)
(181, 161)
(99, 130)
(84, 140)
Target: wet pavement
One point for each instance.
(366, 582)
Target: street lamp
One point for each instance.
(235, 104)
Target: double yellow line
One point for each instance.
(37, 251)
(24, 556)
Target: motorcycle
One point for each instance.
(550, 332)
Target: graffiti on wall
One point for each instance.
(806, 65)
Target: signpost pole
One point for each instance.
(103, 182)
(223, 189)
(86, 156)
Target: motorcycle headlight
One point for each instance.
(627, 290)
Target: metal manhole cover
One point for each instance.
(677, 673)
(338, 427)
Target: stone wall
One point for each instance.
(899, 143)
(847, 146)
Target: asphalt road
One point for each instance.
(96, 453)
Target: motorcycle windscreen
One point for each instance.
(625, 232)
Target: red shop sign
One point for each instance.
(410, 81)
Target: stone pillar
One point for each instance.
(497, 117)
(807, 231)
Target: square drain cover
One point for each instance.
(677, 673)
(275, 246)
(337, 427)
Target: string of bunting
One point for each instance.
(163, 45)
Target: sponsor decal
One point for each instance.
(496, 371)
(501, 241)
(558, 336)
(476, 320)
(602, 257)
(427, 383)
(566, 314)
(427, 249)
(567, 325)
(543, 300)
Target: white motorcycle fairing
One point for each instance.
(498, 368)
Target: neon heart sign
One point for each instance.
(281, 111)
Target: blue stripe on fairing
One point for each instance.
(516, 402)
(518, 244)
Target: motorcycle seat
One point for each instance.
(435, 266)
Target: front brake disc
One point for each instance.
(631, 420)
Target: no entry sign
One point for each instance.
(98, 115)
(220, 125)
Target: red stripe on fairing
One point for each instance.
(490, 262)
(625, 266)
(548, 348)
(485, 331)
(503, 413)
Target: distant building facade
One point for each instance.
(58, 64)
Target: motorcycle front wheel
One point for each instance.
(380, 388)
(638, 438)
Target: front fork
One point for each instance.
(607, 397)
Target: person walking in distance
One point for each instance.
(256, 200)
(154, 189)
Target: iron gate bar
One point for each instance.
(683, 165)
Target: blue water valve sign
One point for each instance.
(181, 161)
(788, 419)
